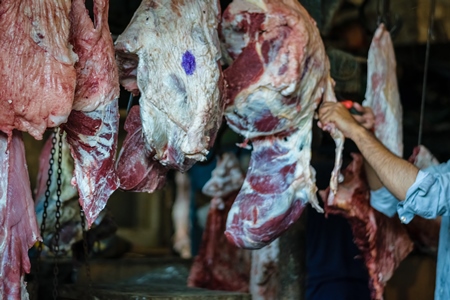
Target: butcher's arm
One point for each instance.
(426, 193)
(395, 173)
(366, 119)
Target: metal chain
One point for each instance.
(44, 213)
(86, 251)
(57, 214)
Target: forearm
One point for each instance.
(396, 174)
(372, 177)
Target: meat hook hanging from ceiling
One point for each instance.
(392, 22)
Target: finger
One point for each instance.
(358, 107)
(319, 124)
(359, 119)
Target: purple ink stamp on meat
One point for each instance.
(188, 63)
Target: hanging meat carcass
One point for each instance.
(382, 92)
(38, 80)
(137, 171)
(220, 265)
(18, 226)
(37, 71)
(279, 75)
(383, 241)
(92, 127)
(170, 54)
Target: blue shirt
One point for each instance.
(428, 197)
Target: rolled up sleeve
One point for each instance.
(383, 201)
(428, 197)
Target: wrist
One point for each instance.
(358, 133)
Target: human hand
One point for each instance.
(367, 118)
(336, 113)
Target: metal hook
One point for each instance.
(393, 23)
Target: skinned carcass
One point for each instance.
(220, 265)
(279, 75)
(382, 92)
(18, 226)
(93, 125)
(137, 171)
(170, 53)
(383, 241)
(37, 71)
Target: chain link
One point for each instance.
(44, 214)
(86, 251)
(57, 213)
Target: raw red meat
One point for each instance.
(36, 65)
(279, 75)
(93, 140)
(170, 53)
(18, 226)
(220, 265)
(383, 241)
(97, 75)
(137, 171)
(92, 127)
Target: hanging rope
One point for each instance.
(425, 73)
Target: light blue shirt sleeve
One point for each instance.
(383, 201)
(428, 197)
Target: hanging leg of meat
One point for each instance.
(279, 75)
(18, 226)
(136, 169)
(92, 127)
(93, 140)
(220, 265)
(37, 65)
(170, 53)
(279, 183)
(383, 241)
(180, 215)
(382, 92)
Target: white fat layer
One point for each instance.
(95, 190)
(382, 92)
(226, 178)
(178, 109)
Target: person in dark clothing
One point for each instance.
(334, 265)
